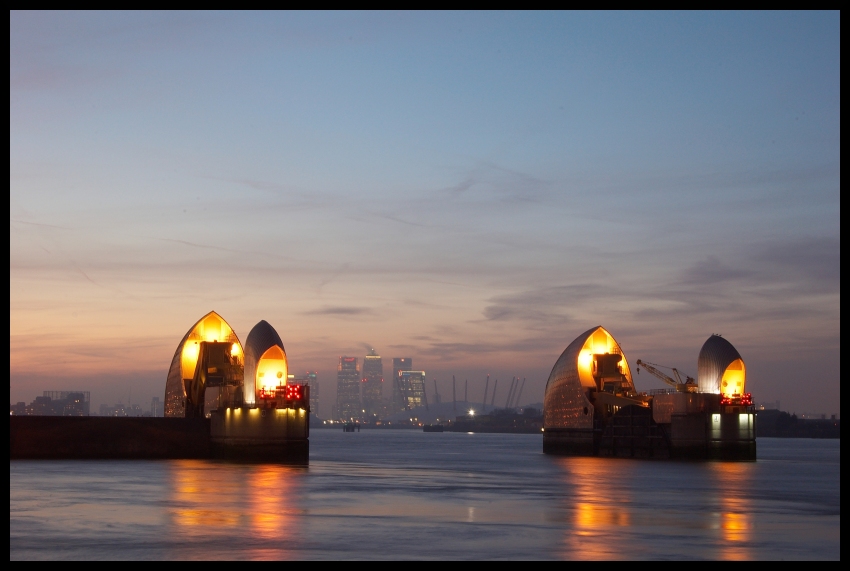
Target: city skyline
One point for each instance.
(471, 190)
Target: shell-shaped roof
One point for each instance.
(261, 338)
(203, 329)
(714, 357)
(565, 402)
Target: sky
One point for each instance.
(471, 190)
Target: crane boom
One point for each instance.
(688, 386)
(653, 371)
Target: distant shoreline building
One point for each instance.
(55, 403)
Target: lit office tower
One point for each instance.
(399, 395)
(311, 379)
(373, 384)
(348, 389)
(412, 384)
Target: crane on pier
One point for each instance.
(688, 386)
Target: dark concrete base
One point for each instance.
(289, 451)
(743, 450)
(569, 442)
(261, 435)
(97, 437)
(633, 433)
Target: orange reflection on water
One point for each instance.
(220, 499)
(272, 497)
(734, 521)
(590, 516)
(597, 508)
(195, 507)
(256, 503)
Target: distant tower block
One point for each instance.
(348, 389)
(399, 393)
(373, 384)
(720, 369)
(412, 385)
(212, 344)
(266, 366)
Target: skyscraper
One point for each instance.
(412, 385)
(348, 389)
(399, 395)
(373, 384)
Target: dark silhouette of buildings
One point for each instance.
(55, 403)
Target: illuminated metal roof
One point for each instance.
(211, 327)
(261, 339)
(715, 357)
(565, 402)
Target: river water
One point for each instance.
(404, 494)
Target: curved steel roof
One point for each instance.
(714, 357)
(261, 338)
(565, 402)
(175, 391)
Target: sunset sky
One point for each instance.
(472, 190)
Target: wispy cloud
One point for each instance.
(711, 271)
(816, 261)
(547, 305)
(341, 311)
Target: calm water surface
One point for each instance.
(387, 494)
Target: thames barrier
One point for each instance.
(592, 408)
(222, 400)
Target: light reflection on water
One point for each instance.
(244, 505)
(599, 508)
(733, 519)
(410, 495)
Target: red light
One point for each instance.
(745, 400)
(294, 392)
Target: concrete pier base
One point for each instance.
(724, 433)
(261, 434)
(99, 437)
(569, 442)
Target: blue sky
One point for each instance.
(472, 190)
